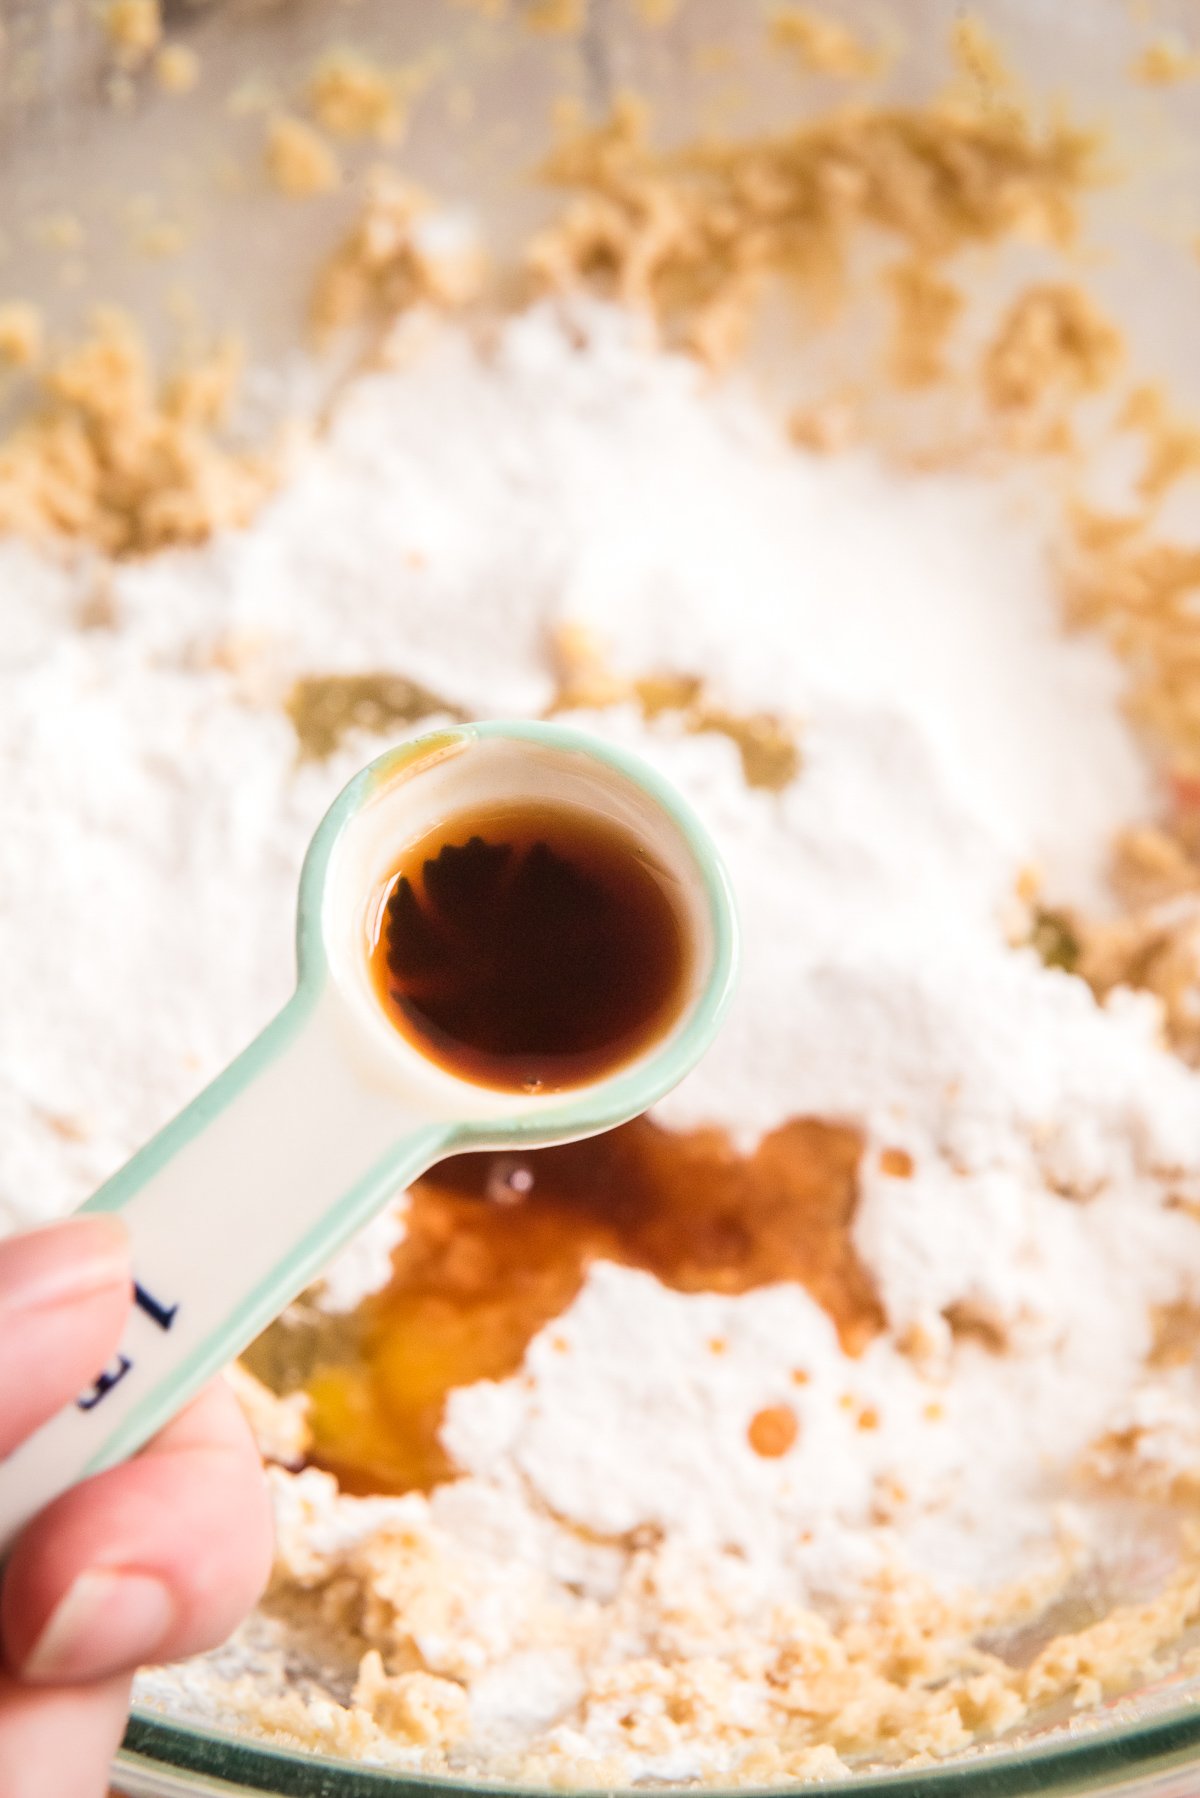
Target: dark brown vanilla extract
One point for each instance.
(531, 948)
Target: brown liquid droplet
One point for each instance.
(499, 1245)
(773, 1431)
(533, 948)
(1176, 1334)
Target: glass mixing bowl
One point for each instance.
(1148, 1758)
(92, 159)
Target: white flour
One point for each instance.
(154, 816)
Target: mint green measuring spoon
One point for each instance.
(243, 1198)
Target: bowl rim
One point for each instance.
(1101, 1759)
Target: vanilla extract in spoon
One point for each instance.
(531, 948)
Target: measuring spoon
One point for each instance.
(243, 1198)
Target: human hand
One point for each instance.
(154, 1560)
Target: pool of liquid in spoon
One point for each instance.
(531, 947)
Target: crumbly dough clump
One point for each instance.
(1165, 61)
(134, 29)
(670, 1663)
(692, 235)
(353, 97)
(557, 18)
(177, 68)
(1053, 340)
(21, 334)
(387, 264)
(127, 462)
(820, 45)
(299, 161)
(767, 743)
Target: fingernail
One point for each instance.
(64, 1262)
(108, 1621)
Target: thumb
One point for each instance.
(65, 1293)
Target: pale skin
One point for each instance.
(152, 1561)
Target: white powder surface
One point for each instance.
(154, 814)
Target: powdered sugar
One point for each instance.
(131, 973)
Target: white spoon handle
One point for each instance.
(232, 1209)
